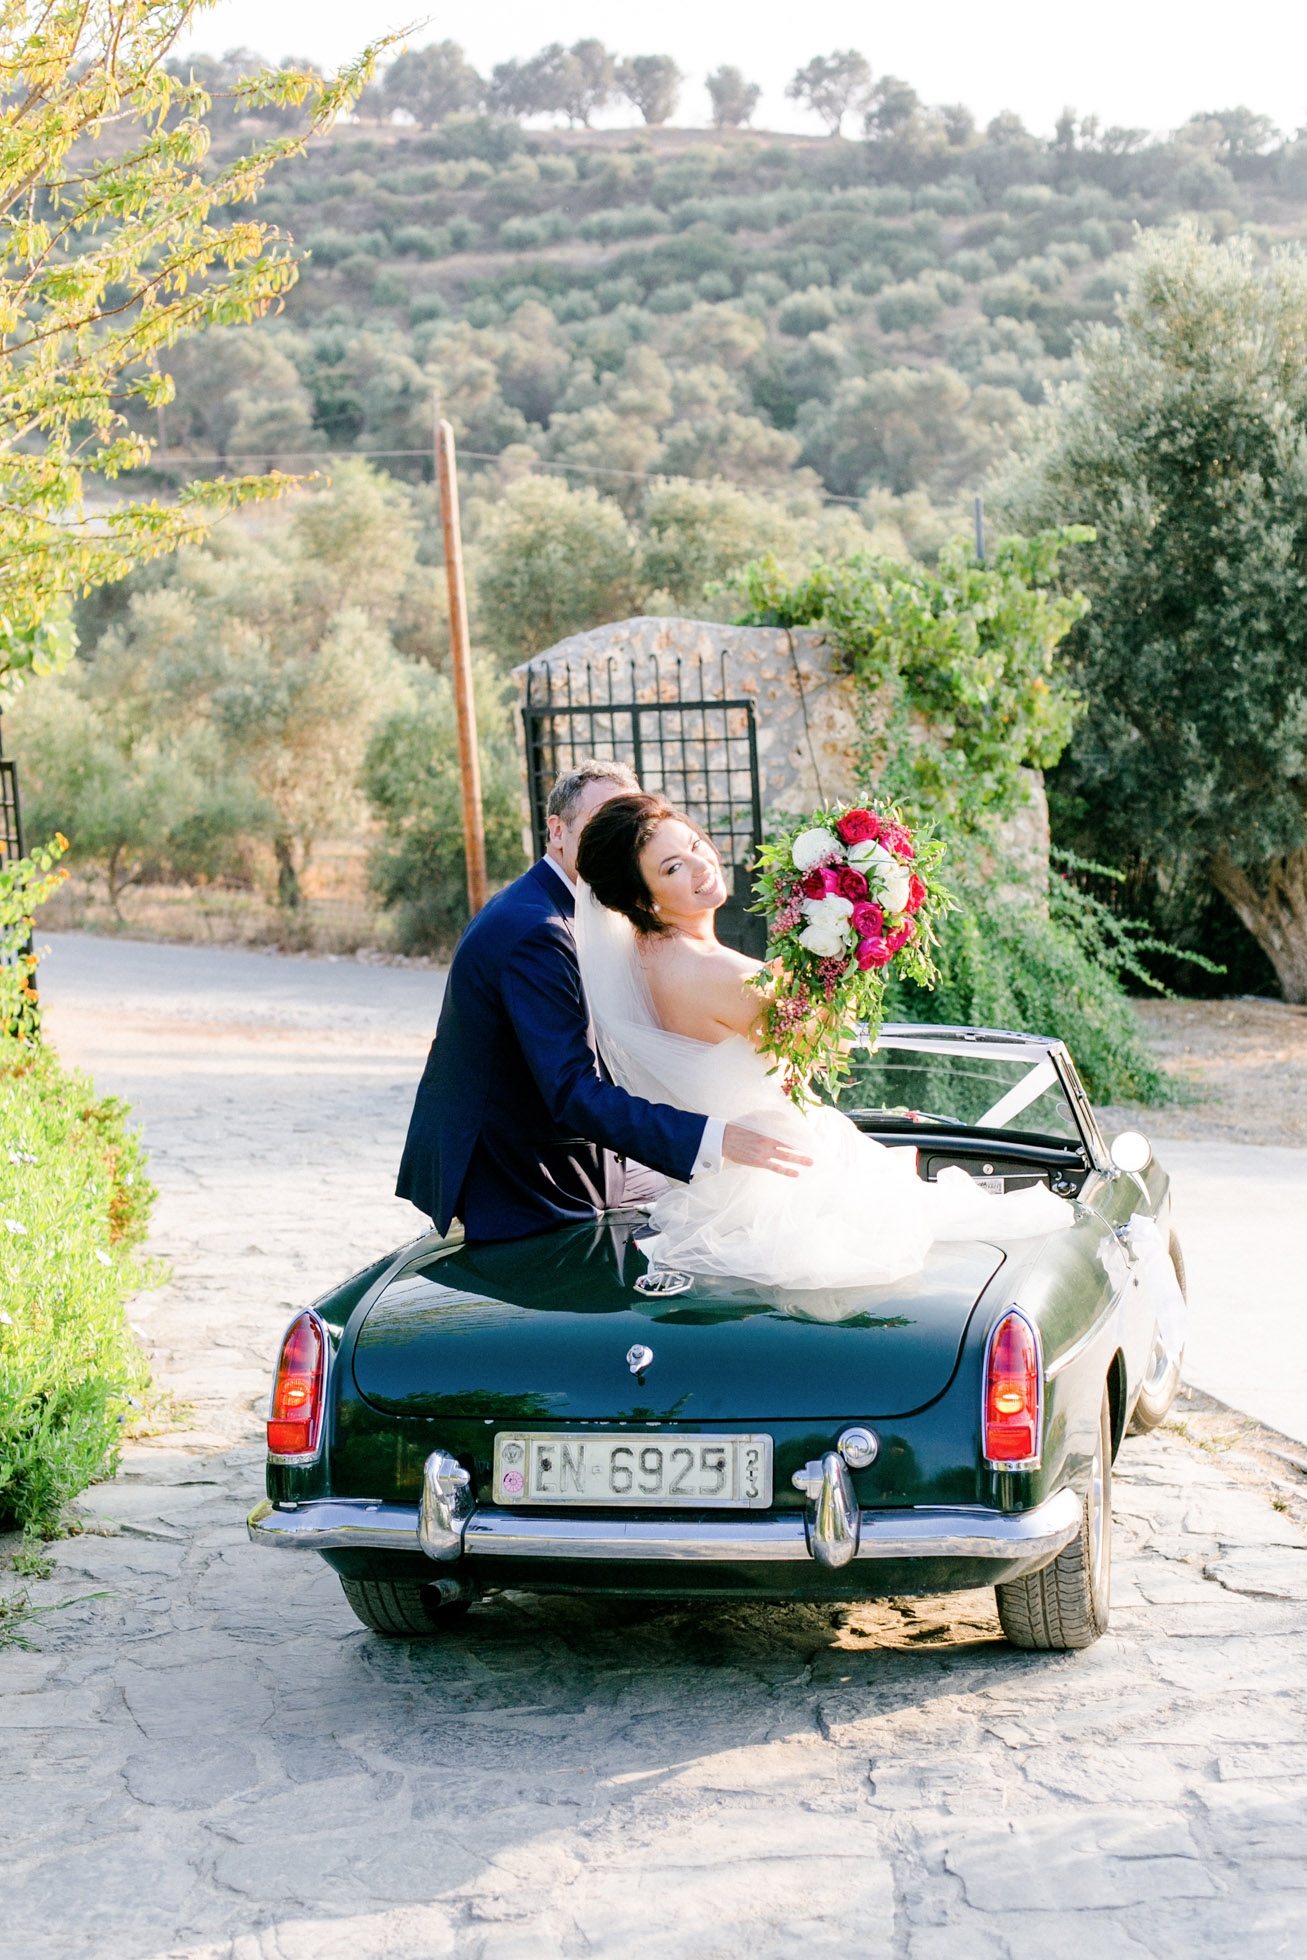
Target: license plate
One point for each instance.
(639, 1472)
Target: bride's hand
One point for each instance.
(761, 1152)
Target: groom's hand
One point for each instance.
(763, 1153)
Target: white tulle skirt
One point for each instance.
(860, 1216)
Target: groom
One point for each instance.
(514, 1128)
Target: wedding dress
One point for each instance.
(859, 1216)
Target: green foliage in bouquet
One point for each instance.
(848, 893)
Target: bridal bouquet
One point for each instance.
(849, 894)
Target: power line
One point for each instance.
(464, 455)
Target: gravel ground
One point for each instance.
(215, 1762)
(1240, 1064)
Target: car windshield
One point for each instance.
(954, 1085)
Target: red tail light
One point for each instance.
(1013, 1392)
(295, 1417)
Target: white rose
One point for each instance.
(813, 847)
(829, 912)
(825, 943)
(886, 876)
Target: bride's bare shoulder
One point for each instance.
(700, 990)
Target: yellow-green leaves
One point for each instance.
(117, 239)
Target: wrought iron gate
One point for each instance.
(11, 815)
(696, 747)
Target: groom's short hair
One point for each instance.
(566, 792)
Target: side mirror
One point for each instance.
(1131, 1151)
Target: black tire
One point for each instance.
(1065, 1605)
(399, 1610)
(1161, 1377)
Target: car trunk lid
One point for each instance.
(541, 1329)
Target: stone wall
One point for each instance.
(805, 706)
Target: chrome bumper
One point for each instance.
(337, 1523)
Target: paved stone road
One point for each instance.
(214, 1762)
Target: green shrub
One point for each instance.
(625, 221)
(612, 293)
(678, 297)
(23, 886)
(74, 1202)
(529, 234)
(808, 312)
(1013, 966)
(74, 1205)
(421, 241)
(915, 303)
(973, 266)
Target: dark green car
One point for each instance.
(547, 1415)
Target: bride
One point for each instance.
(677, 1022)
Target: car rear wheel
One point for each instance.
(400, 1610)
(1162, 1376)
(1066, 1604)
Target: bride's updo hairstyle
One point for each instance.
(608, 856)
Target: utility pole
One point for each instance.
(460, 653)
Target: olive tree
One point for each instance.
(651, 82)
(432, 83)
(831, 85)
(733, 99)
(553, 561)
(1184, 443)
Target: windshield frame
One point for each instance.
(1007, 1046)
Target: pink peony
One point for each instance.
(858, 827)
(819, 882)
(895, 838)
(916, 894)
(851, 884)
(896, 941)
(874, 951)
(867, 920)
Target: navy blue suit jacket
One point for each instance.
(513, 1121)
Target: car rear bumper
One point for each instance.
(1024, 1540)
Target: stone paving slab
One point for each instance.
(215, 1762)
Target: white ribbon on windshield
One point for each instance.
(1153, 1264)
(1027, 1090)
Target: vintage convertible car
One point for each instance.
(551, 1415)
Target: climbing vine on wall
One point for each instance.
(961, 686)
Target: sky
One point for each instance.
(1143, 63)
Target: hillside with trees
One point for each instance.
(873, 313)
(666, 353)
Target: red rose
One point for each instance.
(858, 827)
(895, 838)
(916, 894)
(896, 941)
(874, 951)
(824, 879)
(867, 920)
(851, 884)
